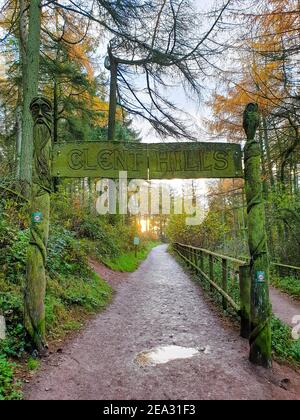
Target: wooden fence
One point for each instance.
(222, 272)
(229, 277)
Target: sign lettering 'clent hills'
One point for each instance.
(147, 161)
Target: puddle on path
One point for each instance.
(165, 354)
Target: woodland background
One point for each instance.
(249, 52)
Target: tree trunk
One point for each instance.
(111, 133)
(56, 180)
(22, 59)
(18, 138)
(30, 89)
(266, 170)
(268, 151)
(263, 162)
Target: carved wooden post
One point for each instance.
(245, 293)
(35, 289)
(260, 337)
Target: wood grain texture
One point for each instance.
(147, 161)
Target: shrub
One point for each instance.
(8, 388)
(8, 235)
(65, 256)
(16, 258)
(108, 237)
(11, 304)
(283, 345)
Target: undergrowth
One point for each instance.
(289, 285)
(9, 388)
(284, 346)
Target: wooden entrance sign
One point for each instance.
(103, 159)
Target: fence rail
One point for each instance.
(281, 269)
(286, 270)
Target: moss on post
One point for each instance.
(40, 211)
(245, 293)
(260, 337)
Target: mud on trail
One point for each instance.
(158, 305)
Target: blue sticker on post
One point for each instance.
(36, 217)
(260, 276)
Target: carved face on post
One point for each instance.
(41, 110)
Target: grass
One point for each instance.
(70, 300)
(72, 326)
(33, 364)
(129, 262)
(289, 285)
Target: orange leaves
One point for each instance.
(73, 36)
(7, 14)
(78, 53)
(265, 65)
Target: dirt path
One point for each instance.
(284, 307)
(158, 305)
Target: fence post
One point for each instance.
(224, 281)
(195, 259)
(260, 337)
(211, 270)
(187, 255)
(245, 292)
(35, 287)
(192, 257)
(201, 261)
